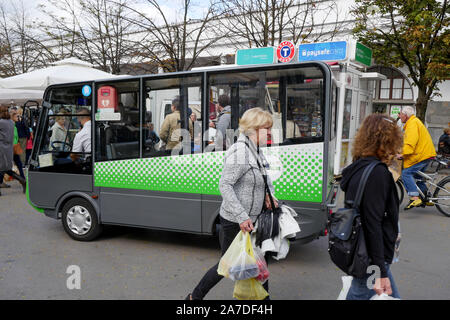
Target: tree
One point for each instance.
(174, 44)
(263, 23)
(19, 44)
(93, 30)
(408, 33)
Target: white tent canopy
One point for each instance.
(8, 95)
(68, 70)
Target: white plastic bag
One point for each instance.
(346, 283)
(383, 296)
(238, 262)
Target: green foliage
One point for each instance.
(411, 33)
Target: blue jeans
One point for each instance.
(410, 174)
(359, 290)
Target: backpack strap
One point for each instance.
(363, 182)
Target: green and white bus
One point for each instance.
(127, 178)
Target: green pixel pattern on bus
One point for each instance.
(296, 171)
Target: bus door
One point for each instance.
(61, 160)
(143, 163)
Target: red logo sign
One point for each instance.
(285, 51)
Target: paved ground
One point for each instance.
(128, 263)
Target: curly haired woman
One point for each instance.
(378, 139)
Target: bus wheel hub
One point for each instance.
(79, 220)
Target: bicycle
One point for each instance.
(441, 195)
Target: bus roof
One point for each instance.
(199, 70)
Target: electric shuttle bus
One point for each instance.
(127, 177)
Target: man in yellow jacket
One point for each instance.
(418, 150)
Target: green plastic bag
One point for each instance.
(250, 289)
(238, 262)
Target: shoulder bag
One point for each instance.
(346, 242)
(268, 219)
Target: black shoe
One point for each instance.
(22, 181)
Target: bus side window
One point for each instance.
(175, 105)
(118, 125)
(294, 98)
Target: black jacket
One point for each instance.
(22, 130)
(444, 144)
(379, 209)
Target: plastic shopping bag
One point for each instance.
(346, 284)
(383, 296)
(250, 289)
(262, 265)
(238, 262)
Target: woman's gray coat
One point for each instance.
(6, 144)
(242, 184)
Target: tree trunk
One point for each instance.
(421, 104)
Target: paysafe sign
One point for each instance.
(326, 51)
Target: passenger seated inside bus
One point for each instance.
(59, 135)
(170, 132)
(197, 140)
(223, 124)
(70, 150)
(150, 137)
(82, 140)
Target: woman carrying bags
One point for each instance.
(242, 188)
(377, 141)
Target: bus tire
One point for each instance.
(80, 220)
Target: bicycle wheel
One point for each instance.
(442, 192)
(400, 191)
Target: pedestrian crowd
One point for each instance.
(370, 193)
(248, 192)
(16, 143)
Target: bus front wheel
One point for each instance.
(80, 220)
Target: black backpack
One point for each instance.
(346, 242)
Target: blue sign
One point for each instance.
(87, 90)
(327, 51)
(285, 52)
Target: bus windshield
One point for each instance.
(64, 136)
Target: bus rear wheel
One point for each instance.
(80, 220)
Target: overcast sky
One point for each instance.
(172, 8)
